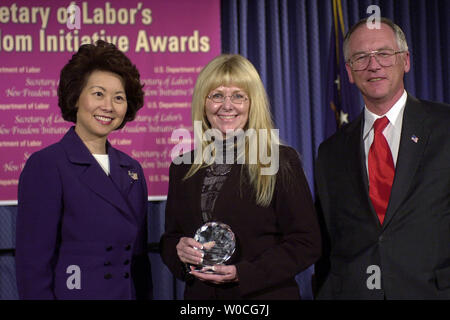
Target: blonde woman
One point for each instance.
(240, 175)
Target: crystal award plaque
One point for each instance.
(218, 243)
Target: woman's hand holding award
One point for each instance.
(218, 242)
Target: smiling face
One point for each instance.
(380, 86)
(102, 106)
(227, 115)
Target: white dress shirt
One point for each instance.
(103, 161)
(392, 131)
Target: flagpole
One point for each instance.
(335, 23)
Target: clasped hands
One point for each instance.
(191, 252)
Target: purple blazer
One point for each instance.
(80, 233)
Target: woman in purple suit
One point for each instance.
(82, 216)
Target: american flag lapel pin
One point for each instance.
(414, 138)
(133, 175)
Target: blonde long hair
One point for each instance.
(235, 70)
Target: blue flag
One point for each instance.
(343, 103)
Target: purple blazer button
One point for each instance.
(108, 276)
(109, 248)
(126, 275)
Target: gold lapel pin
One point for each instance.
(133, 175)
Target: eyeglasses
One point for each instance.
(237, 98)
(384, 57)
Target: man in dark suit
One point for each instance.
(383, 182)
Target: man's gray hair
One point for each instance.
(399, 35)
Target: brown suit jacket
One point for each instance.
(273, 243)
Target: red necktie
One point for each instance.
(381, 169)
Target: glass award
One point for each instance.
(218, 244)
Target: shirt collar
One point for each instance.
(392, 114)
